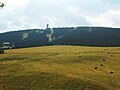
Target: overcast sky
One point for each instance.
(23, 14)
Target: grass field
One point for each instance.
(60, 68)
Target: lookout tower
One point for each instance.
(47, 25)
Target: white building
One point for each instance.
(7, 45)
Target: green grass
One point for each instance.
(60, 68)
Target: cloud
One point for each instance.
(22, 14)
(110, 18)
(74, 10)
(16, 3)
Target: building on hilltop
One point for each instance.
(7, 45)
(47, 26)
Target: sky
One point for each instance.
(30, 14)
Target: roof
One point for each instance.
(6, 43)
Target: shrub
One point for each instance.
(1, 51)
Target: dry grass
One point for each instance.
(60, 68)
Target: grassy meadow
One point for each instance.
(60, 68)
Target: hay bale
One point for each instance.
(101, 64)
(96, 68)
(111, 72)
(111, 55)
(103, 60)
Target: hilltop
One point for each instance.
(83, 36)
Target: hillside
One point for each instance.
(60, 68)
(85, 36)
